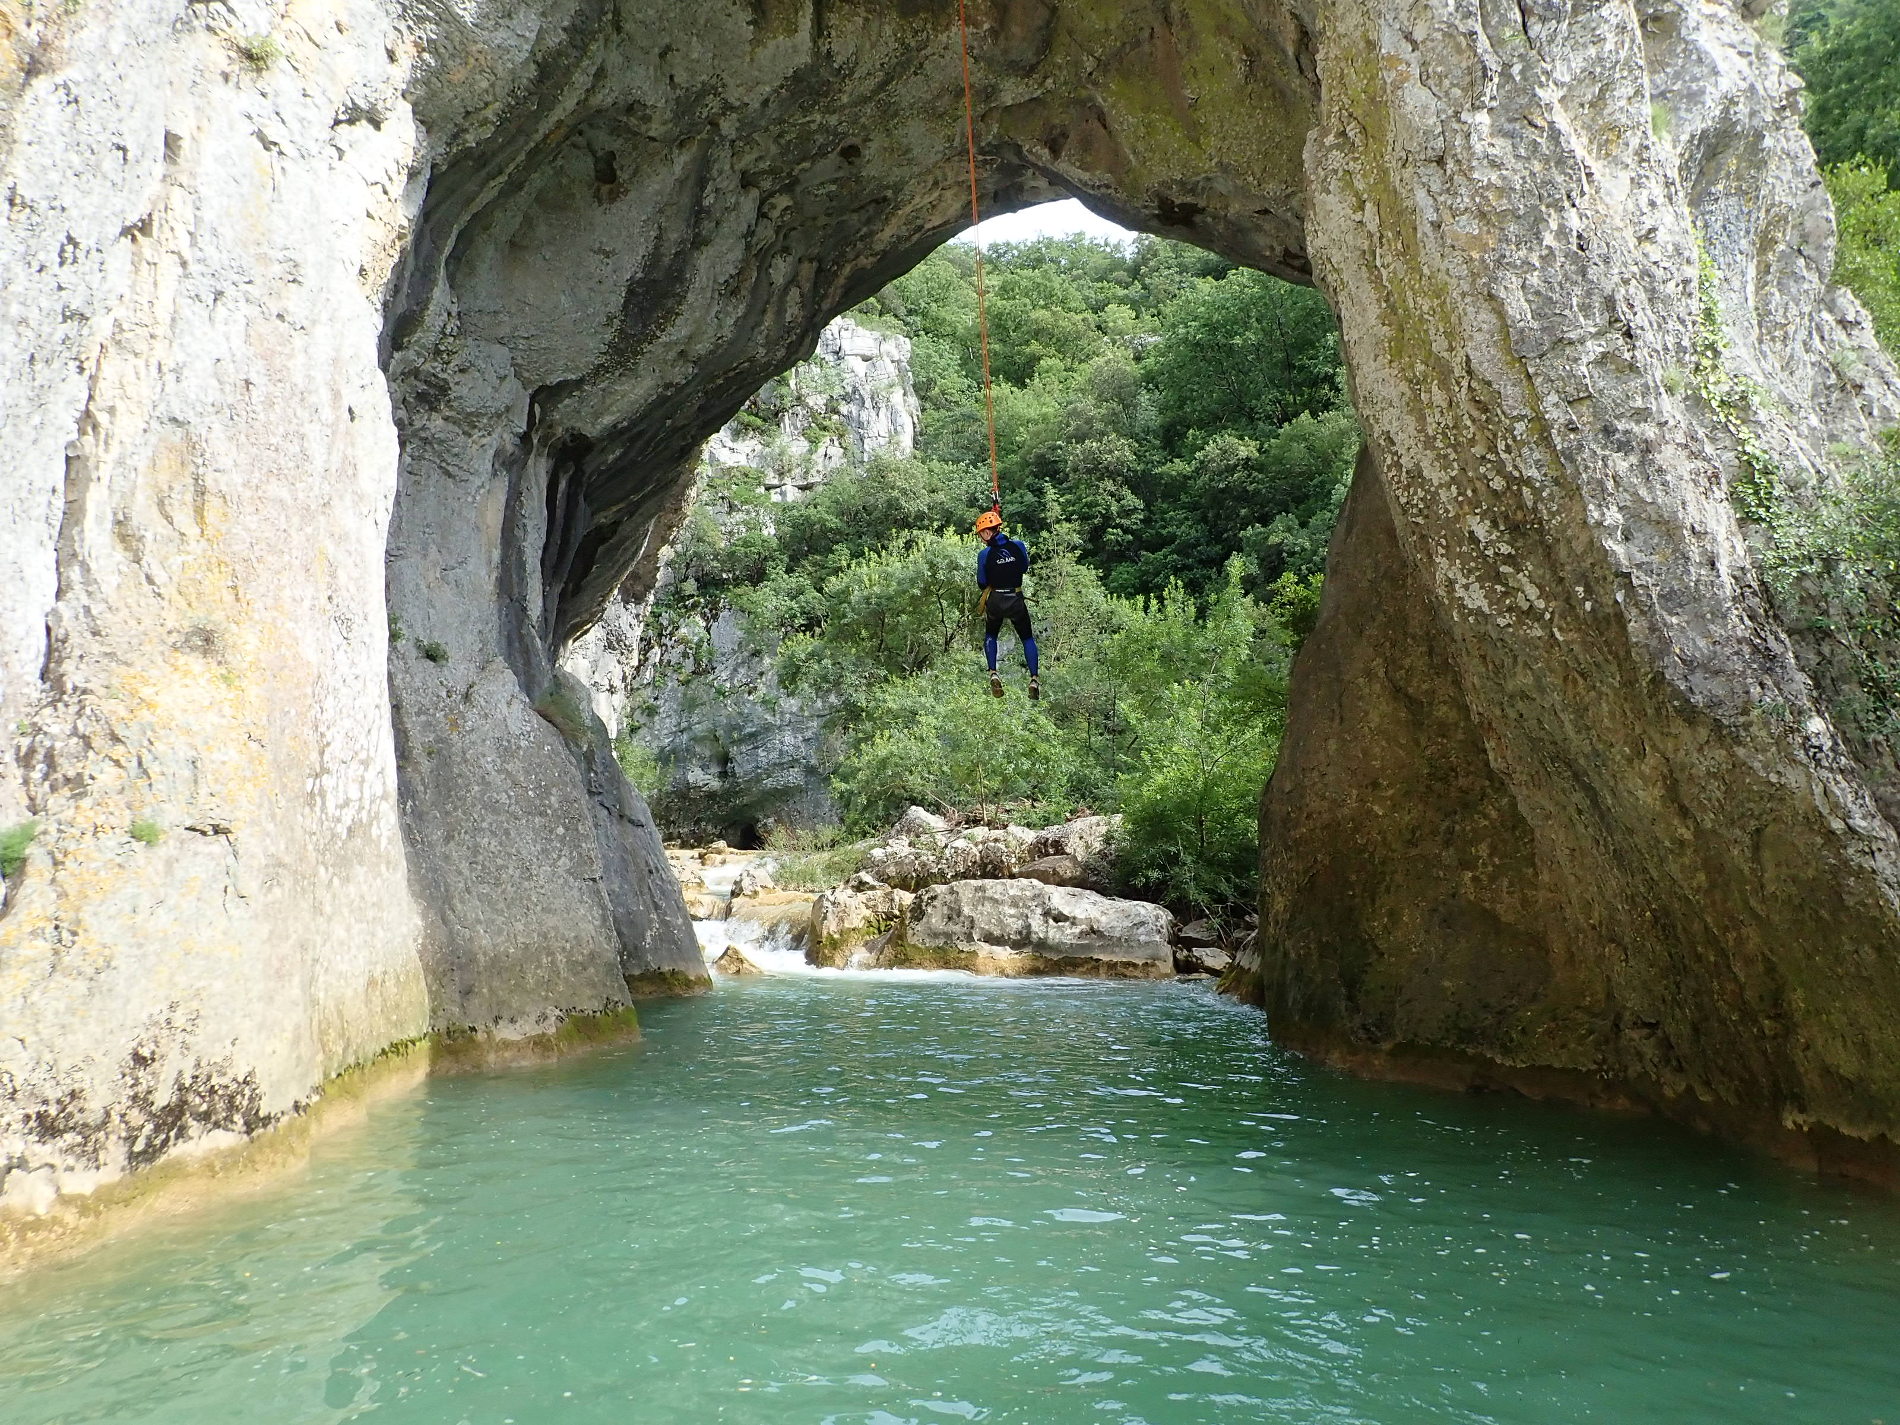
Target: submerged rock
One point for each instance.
(1027, 928)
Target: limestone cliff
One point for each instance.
(358, 353)
(693, 685)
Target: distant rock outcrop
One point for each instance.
(687, 678)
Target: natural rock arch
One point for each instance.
(1557, 802)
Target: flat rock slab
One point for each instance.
(1019, 927)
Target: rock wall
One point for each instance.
(682, 675)
(359, 352)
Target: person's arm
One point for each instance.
(983, 567)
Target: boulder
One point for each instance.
(1199, 933)
(844, 919)
(1055, 871)
(976, 853)
(918, 822)
(1022, 927)
(702, 904)
(753, 880)
(1201, 960)
(787, 911)
(734, 962)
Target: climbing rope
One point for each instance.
(982, 305)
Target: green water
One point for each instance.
(878, 1200)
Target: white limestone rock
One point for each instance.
(1027, 928)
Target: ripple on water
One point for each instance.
(871, 1199)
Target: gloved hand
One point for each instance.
(983, 601)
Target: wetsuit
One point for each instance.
(1000, 566)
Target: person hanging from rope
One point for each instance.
(1000, 566)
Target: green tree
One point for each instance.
(1848, 52)
(1243, 352)
(1867, 259)
(939, 739)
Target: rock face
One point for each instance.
(348, 378)
(1027, 928)
(846, 918)
(684, 676)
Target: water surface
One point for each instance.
(876, 1199)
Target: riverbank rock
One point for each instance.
(847, 917)
(1019, 928)
(923, 850)
(788, 912)
(1201, 960)
(734, 962)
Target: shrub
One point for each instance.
(640, 764)
(813, 858)
(561, 709)
(1833, 564)
(13, 843)
(941, 740)
(259, 52)
(1867, 257)
(433, 651)
(146, 831)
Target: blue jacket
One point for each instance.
(1001, 563)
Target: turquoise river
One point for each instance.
(879, 1199)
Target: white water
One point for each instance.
(770, 948)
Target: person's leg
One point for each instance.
(1019, 617)
(992, 625)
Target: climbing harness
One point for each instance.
(976, 219)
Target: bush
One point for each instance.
(1833, 564)
(813, 858)
(940, 739)
(640, 765)
(1867, 259)
(1191, 811)
(13, 843)
(146, 832)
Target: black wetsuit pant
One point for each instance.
(1009, 606)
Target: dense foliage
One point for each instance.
(1174, 444)
(1172, 409)
(1848, 53)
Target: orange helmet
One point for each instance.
(989, 519)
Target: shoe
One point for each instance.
(996, 685)
(1035, 689)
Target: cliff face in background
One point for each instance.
(687, 680)
(358, 356)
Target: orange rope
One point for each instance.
(982, 304)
